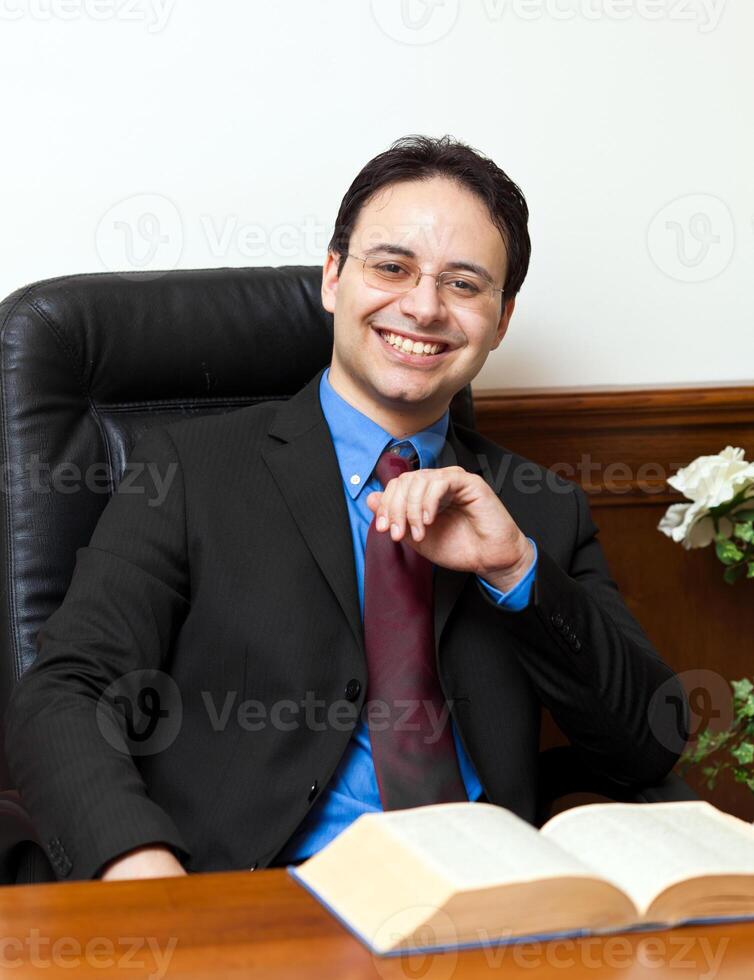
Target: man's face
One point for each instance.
(442, 224)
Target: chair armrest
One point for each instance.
(16, 829)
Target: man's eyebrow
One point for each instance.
(460, 264)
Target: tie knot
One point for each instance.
(392, 462)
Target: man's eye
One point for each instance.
(465, 286)
(391, 269)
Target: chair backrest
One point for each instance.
(89, 362)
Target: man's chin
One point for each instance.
(408, 393)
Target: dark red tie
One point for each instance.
(409, 722)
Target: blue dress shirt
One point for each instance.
(359, 443)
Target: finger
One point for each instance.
(382, 514)
(439, 495)
(396, 509)
(373, 500)
(415, 509)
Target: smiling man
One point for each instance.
(341, 562)
(407, 339)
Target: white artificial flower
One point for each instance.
(691, 525)
(707, 482)
(714, 480)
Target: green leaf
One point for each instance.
(744, 515)
(746, 709)
(742, 689)
(743, 753)
(706, 743)
(733, 573)
(726, 551)
(750, 572)
(744, 532)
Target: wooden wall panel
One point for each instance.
(621, 444)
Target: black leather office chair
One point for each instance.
(87, 364)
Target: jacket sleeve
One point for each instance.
(593, 667)
(66, 739)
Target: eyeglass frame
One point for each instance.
(420, 274)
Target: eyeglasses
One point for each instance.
(459, 289)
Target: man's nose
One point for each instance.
(423, 302)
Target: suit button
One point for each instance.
(353, 689)
(313, 791)
(557, 620)
(576, 644)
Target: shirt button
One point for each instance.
(355, 479)
(353, 689)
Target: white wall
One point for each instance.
(225, 133)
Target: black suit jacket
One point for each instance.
(239, 585)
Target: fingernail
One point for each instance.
(415, 533)
(381, 523)
(394, 530)
(425, 515)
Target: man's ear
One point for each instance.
(330, 281)
(505, 319)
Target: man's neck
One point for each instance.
(400, 423)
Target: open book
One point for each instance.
(466, 874)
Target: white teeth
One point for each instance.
(410, 346)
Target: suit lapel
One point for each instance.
(302, 460)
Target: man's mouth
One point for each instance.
(408, 345)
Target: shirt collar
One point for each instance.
(359, 441)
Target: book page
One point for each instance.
(475, 845)
(645, 847)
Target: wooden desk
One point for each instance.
(263, 925)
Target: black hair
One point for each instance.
(423, 157)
